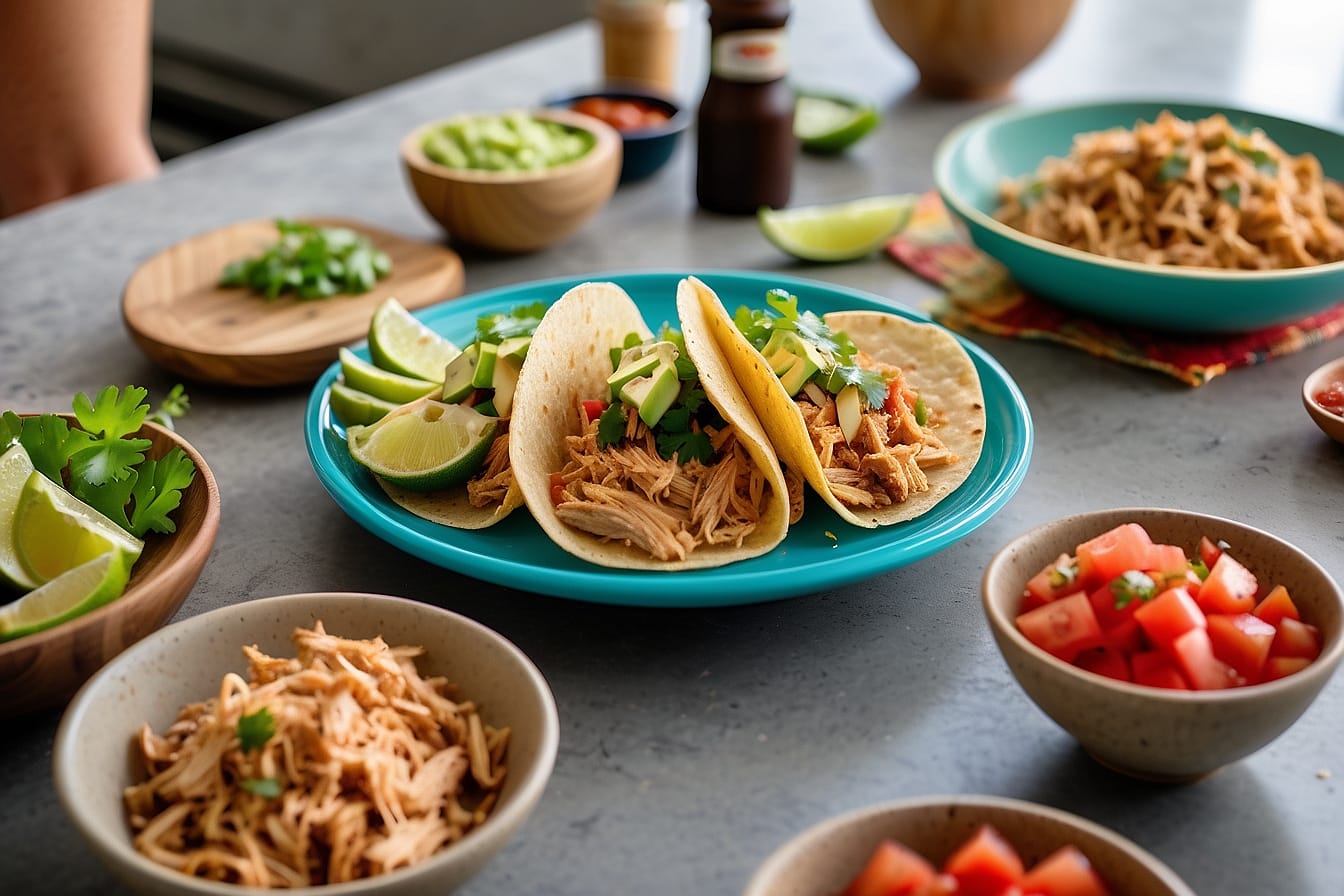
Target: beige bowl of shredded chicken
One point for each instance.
(350, 743)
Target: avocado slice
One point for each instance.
(653, 394)
(458, 375)
(848, 411)
(515, 348)
(485, 365)
(797, 375)
(638, 367)
(793, 359)
(505, 384)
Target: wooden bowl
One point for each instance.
(826, 856)
(1331, 424)
(971, 49)
(516, 211)
(42, 670)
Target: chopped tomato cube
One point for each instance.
(1242, 641)
(1293, 637)
(1126, 637)
(1065, 872)
(1209, 552)
(1056, 580)
(1123, 548)
(1106, 661)
(1169, 615)
(1279, 666)
(1167, 559)
(592, 408)
(892, 870)
(1156, 670)
(1103, 604)
(985, 865)
(1277, 605)
(1193, 652)
(1063, 627)
(1229, 588)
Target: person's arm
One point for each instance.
(74, 95)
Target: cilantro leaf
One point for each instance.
(519, 321)
(50, 441)
(611, 425)
(108, 419)
(254, 729)
(158, 492)
(1231, 195)
(269, 788)
(1173, 167)
(872, 385)
(1262, 160)
(109, 499)
(175, 404)
(686, 446)
(1131, 586)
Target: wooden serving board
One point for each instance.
(183, 321)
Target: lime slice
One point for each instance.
(424, 446)
(840, 232)
(15, 468)
(365, 377)
(54, 531)
(829, 124)
(73, 593)
(400, 343)
(353, 407)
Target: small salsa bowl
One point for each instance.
(821, 860)
(516, 211)
(1331, 423)
(646, 147)
(182, 663)
(1149, 732)
(43, 669)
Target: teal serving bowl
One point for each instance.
(975, 159)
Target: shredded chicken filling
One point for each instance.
(493, 481)
(371, 767)
(884, 463)
(626, 492)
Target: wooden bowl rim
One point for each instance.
(201, 541)
(605, 150)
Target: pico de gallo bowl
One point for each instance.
(1219, 704)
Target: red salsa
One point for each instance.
(1332, 398)
(622, 114)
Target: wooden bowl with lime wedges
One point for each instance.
(42, 668)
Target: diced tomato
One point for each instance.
(1277, 605)
(1056, 580)
(1193, 652)
(942, 885)
(1065, 872)
(898, 395)
(1126, 637)
(1103, 604)
(592, 408)
(1242, 641)
(1167, 559)
(985, 865)
(892, 870)
(1168, 616)
(1209, 552)
(1156, 670)
(1063, 627)
(1121, 549)
(1229, 588)
(557, 488)
(1106, 661)
(1294, 637)
(1278, 666)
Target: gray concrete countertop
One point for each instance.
(695, 741)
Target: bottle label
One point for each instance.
(753, 56)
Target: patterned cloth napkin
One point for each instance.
(979, 295)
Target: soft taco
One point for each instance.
(883, 416)
(483, 377)
(639, 452)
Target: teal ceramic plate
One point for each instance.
(820, 552)
(975, 159)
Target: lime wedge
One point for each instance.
(353, 407)
(828, 124)
(400, 343)
(54, 531)
(371, 380)
(839, 232)
(424, 446)
(73, 593)
(15, 468)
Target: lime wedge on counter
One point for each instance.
(353, 407)
(839, 232)
(73, 593)
(400, 343)
(829, 124)
(15, 468)
(54, 531)
(424, 446)
(372, 380)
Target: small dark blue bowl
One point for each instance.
(644, 150)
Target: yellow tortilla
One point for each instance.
(934, 363)
(568, 361)
(451, 507)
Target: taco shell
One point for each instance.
(451, 507)
(932, 361)
(568, 362)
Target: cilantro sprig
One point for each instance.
(519, 321)
(310, 261)
(102, 462)
(254, 729)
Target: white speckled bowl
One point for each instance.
(185, 661)
(1155, 733)
(824, 858)
(1330, 424)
